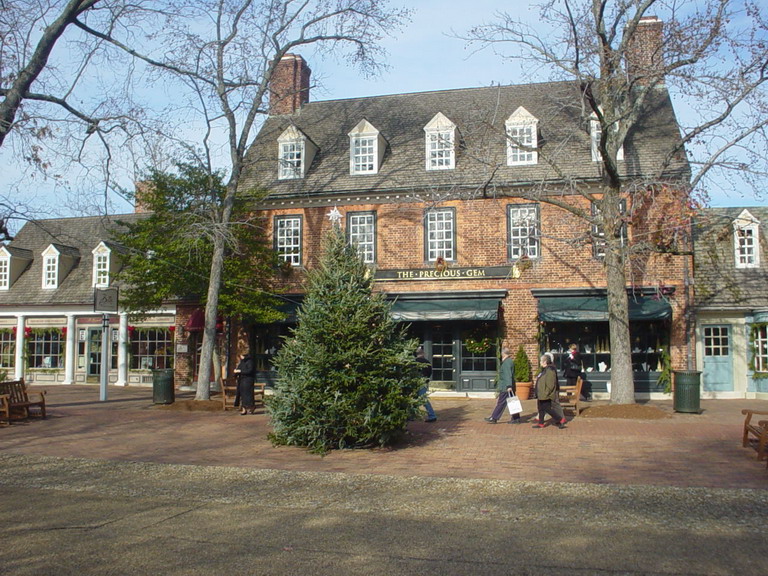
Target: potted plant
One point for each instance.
(523, 378)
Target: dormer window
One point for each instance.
(366, 149)
(440, 143)
(746, 240)
(595, 133)
(58, 260)
(5, 273)
(50, 270)
(101, 258)
(296, 153)
(13, 262)
(522, 138)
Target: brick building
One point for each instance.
(456, 199)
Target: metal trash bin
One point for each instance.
(687, 391)
(162, 386)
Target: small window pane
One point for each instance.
(288, 239)
(362, 234)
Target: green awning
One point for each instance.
(595, 309)
(446, 309)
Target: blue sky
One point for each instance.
(424, 57)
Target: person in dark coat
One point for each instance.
(245, 381)
(547, 394)
(572, 370)
(505, 385)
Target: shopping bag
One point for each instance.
(513, 404)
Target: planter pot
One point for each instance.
(524, 390)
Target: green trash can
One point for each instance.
(162, 386)
(687, 393)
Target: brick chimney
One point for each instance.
(645, 56)
(142, 189)
(289, 85)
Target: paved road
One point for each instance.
(125, 487)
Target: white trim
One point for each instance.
(746, 241)
(366, 149)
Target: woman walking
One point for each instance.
(547, 395)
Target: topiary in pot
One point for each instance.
(523, 376)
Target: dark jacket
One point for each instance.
(572, 365)
(246, 370)
(506, 376)
(546, 384)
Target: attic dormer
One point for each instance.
(746, 240)
(13, 261)
(106, 264)
(522, 138)
(440, 146)
(366, 149)
(58, 261)
(295, 154)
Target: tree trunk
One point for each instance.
(621, 375)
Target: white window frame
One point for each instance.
(522, 138)
(598, 234)
(440, 234)
(760, 348)
(287, 236)
(523, 231)
(366, 149)
(101, 266)
(50, 271)
(595, 132)
(291, 160)
(5, 273)
(440, 143)
(746, 241)
(361, 233)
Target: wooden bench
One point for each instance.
(570, 396)
(20, 401)
(5, 408)
(229, 392)
(757, 429)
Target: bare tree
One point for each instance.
(217, 57)
(711, 57)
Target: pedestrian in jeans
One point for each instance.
(426, 372)
(547, 395)
(506, 384)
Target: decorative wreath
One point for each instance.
(477, 344)
(440, 264)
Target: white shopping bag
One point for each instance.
(513, 404)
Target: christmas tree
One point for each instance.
(347, 376)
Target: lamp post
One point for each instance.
(104, 301)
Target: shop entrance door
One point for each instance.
(718, 363)
(443, 356)
(93, 354)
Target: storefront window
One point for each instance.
(649, 339)
(151, 349)
(7, 349)
(45, 348)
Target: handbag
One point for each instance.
(513, 404)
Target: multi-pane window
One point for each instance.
(521, 141)
(7, 349)
(440, 150)
(598, 234)
(523, 231)
(760, 349)
(746, 247)
(717, 341)
(288, 239)
(151, 348)
(440, 232)
(45, 348)
(361, 228)
(363, 154)
(5, 273)
(101, 269)
(596, 133)
(291, 154)
(50, 271)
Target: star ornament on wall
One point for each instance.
(335, 216)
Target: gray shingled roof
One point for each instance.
(75, 236)
(719, 284)
(480, 114)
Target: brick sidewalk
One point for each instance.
(701, 450)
